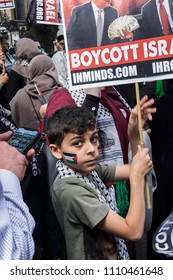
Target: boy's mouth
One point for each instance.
(92, 161)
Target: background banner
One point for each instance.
(48, 12)
(7, 4)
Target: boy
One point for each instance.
(81, 200)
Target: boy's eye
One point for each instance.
(94, 139)
(77, 143)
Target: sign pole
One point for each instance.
(142, 142)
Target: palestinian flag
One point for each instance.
(70, 158)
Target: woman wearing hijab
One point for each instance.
(26, 103)
(26, 49)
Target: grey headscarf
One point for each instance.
(26, 49)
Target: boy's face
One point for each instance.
(79, 152)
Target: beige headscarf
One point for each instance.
(26, 49)
(26, 103)
(42, 72)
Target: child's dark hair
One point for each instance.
(68, 119)
(60, 37)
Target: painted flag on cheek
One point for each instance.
(70, 158)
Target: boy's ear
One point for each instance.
(55, 151)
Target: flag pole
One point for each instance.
(142, 142)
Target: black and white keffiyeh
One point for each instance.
(22, 62)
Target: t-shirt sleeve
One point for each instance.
(106, 173)
(81, 205)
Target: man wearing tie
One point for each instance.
(157, 19)
(88, 26)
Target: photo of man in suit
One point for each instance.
(157, 19)
(82, 28)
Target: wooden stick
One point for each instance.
(142, 141)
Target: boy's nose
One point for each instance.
(90, 148)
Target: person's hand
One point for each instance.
(3, 79)
(42, 111)
(30, 154)
(6, 135)
(146, 114)
(11, 159)
(125, 34)
(58, 46)
(141, 163)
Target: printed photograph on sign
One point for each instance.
(118, 41)
(7, 4)
(48, 12)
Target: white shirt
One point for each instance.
(166, 5)
(95, 10)
(16, 223)
(60, 62)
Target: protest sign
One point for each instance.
(145, 55)
(163, 238)
(48, 12)
(7, 4)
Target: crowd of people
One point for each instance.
(89, 200)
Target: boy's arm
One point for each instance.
(132, 226)
(122, 172)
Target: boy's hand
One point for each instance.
(141, 163)
(146, 113)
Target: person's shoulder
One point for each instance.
(148, 5)
(106, 172)
(111, 10)
(19, 99)
(20, 95)
(81, 7)
(57, 55)
(68, 187)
